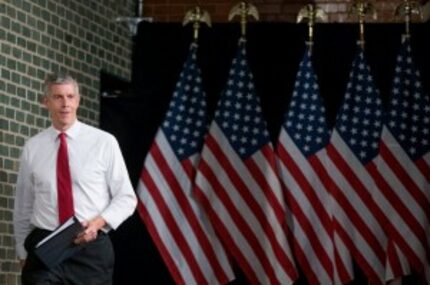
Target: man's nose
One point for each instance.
(64, 102)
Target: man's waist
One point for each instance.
(42, 230)
(51, 224)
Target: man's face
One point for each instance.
(62, 103)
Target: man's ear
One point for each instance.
(44, 101)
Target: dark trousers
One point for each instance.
(92, 264)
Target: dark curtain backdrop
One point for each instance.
(274, 52)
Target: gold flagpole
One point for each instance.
(197, 16)
(311, 13)
(407, 9)
(361, 9)
(243, 10)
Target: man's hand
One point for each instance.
(90, 231)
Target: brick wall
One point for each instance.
(270, 10)
(37, 37)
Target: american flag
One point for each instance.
(238, 185)
(351, 153)
(404, 166)
(177, 223)
(301, 151)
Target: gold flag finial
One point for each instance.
(311, 13)
(243, 9)
(407, 9)
(197, 16)
(361, 9)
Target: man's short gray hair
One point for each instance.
(59, 78)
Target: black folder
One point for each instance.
(59, 245)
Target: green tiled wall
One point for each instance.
(36, 38)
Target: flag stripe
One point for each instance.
(358, 246)
(353, 144)
(227, 220)
(424, 167)
(165, 230)
(390, 188)
(351, 178)
(278, 212)
(394, 266)
(409, 184)
(309, 239)
(364, 243)
(251, 195)
(408, 237)
(406, 231)
(404, 146)
(306, 239)
(312, 203)
(247, 223)
(240, 157)
(358, 253)
(305, 263)
(214, 207)
(268, 179)
(407, 177)
(188, 167)
(399, 155)
(343, 260)
(414, 214)
(167, 211)
(294, 165)
(246, 194)
(204, 245)
(161, 244)
(303, 134)
(176, 222)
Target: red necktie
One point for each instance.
(64, 182)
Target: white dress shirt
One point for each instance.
(100, 181)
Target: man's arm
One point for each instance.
(23, 207)
(123, 201)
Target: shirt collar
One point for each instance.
(71, 132)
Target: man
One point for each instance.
(70, 169)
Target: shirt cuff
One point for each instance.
(111, 222)
(21, 252)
